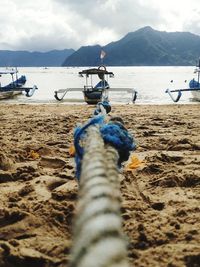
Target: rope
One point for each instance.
(98, 238)
(79, 134)
(100, 149)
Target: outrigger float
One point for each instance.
(16, 86)
(94, 94)
(194, 88)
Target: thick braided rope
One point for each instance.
(98, 237)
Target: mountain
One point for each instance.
(84, 56)
(33, 59)
(144, 47)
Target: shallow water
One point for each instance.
(150, 82)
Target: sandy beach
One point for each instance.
(160, 198)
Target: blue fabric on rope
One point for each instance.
(106, 106)
(113, 133)
(116, 135)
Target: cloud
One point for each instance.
(59, 24)
(194, 24)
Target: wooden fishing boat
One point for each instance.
(194, 88)
(16, 86)
(98, 92)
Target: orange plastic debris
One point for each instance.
(134, 163)
(72, 151)
(33, 155)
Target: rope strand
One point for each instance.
(98, 236)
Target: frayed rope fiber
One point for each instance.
(113, 133)
(105, 104)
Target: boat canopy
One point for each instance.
(8, 72)
(96, 71)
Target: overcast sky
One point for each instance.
(43, 25)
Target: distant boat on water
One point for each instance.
(97, 92)
(194, 88)
(195, 85)
(16, 86)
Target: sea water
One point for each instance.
(150, 83)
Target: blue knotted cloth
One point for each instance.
(105, 104)
(113, 133)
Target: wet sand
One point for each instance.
(160, 199)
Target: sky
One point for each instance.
(44, 25)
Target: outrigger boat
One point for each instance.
(16, 86)
(194, 88)
(94, 94)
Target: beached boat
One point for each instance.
(194, 88)
(98, 92)
(16, 86)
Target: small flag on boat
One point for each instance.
(102, 55)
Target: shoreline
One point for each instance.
(83, 104)
(160, 200)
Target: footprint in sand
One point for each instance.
(8, 217)
(67, 191)
(14, 222)
(54, 183)
(25, 190)
(45, 151)
(171, 179)
(5, 163)
(25, 172)
(52, 163)
(62, 190)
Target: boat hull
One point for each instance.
(195, 89)
(7, 95)
(196, 95)
(92, 97)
